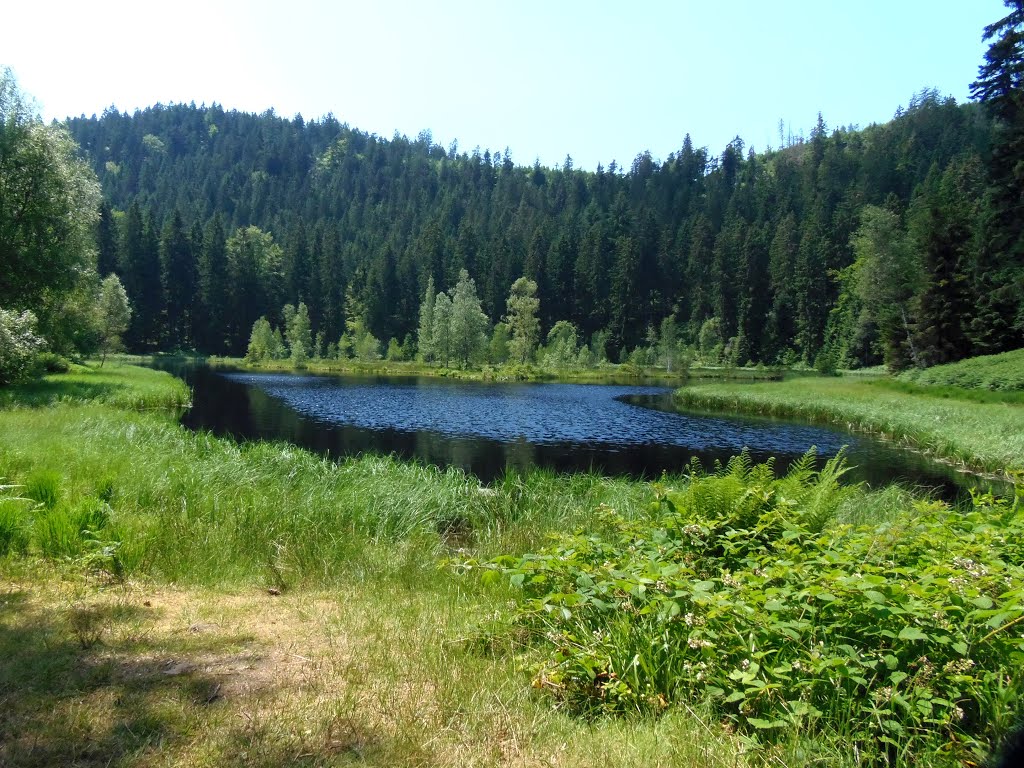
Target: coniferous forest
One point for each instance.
(895, 243)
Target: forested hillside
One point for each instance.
(862, 245)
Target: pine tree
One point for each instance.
(212, 278)
(178, 281)
(999, 319)
(106, 241)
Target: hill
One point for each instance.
(754, 255)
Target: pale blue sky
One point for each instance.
(595, 80)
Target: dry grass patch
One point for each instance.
(140, 675)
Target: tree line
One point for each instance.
(897, 243)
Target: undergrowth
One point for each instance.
(1002, 372)
(894, 642)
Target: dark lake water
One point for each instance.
(490, 428)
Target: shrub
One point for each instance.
(50, 362)
(900, 639)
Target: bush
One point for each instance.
(49, 362)
(901, 640)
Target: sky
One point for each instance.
(596, 80)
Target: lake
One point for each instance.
(488, 429)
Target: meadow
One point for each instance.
(176, 598)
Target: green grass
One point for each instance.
(115, 384)
(983, 436)
(131, 546)
(199, 509)
(1002, 372)
(136, 625)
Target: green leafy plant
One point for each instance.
(902, 639)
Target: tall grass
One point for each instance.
(196, 508)
(982, 436)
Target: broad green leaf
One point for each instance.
(912, 633)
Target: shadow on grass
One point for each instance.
(99, 681)
(64, 699)
(87, 685)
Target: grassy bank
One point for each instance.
(178, 598)
(984, 436)
(115, 384)
(607, 373)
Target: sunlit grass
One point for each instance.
(197, 508)
(181, 599)
(984, 436)
(117, 385)
(369, 673)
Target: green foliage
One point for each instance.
(395, 352)
(499, 349)
(740, 589)
(43, 488)
(561, 351)
(468, 324)
(998, 322)
(49, 202)
(14, 535)
(114, 313)
(886, 276)
(1002, 372)
(522, 321)
(299, 335)
(825, 363)
(19, 345)
(442, 347)
(48, 362)
(710, 342)
(262, 344)
(754, 240)
(425, 331)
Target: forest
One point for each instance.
(863, 246)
